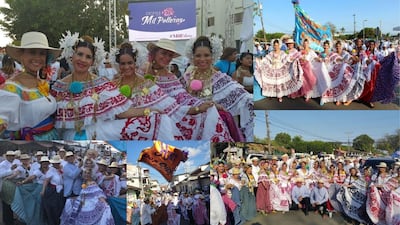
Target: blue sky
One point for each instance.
(279, 15)
(328, 125)
(199, 153)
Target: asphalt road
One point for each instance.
(313, 104)
(297, 218)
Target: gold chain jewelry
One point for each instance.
(206, 78)
(79, 123)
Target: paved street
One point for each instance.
(297, 218)
(313, 104)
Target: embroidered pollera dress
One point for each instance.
(232, 96)
(27, 112)
(161, 125)
(78, 115)
(203, 126)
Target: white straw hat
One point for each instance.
(10, 153)
(164, 44)
(113, 165)
(102, 162)
(39, 153)
(24, 156)
(69, 153)
(55, 159)
(44, 159)
(31, 40)
(382, 165)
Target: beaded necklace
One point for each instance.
(77, 88)
(200, 83)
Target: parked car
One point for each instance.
(373, 162)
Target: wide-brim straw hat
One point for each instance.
(113, 165)
(289, 41)
(10, 153)
(235, 171)
(44, 159)
(32, 40)
(164, 44)
(102, 162)
(39, 153)
(255, 159)
(382, 165)
(24, 156)
(55, 159)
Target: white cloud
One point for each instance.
(202, 149)
(193, 151)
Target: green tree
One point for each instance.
(298, 144)
(370, 33)
(54, 17)
(283, 139)
(260, 140)
(318, 146)
(363, 143)
(390, 142)
(260, 36)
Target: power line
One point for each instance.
(285, 126)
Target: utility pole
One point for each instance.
(259, 9)
(112, 24)
(268, 132)
(354, 31)
(348, 140)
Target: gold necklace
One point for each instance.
(206, 82)
(79, 122)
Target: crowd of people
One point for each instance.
(170, 209)
(342, 72)
(65, 187)
(64, 93)
(323, 185)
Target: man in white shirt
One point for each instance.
(255, 170)
(36, 165)
(6, 169)
(145, 212)
(347, 165)
(319, 198)
(72, 177)
(301, 196)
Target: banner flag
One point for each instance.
(306, 28)
(163, 157)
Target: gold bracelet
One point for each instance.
(147, 112)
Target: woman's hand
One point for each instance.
(201, 108)
(220, 107)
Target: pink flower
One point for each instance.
(168, 12)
